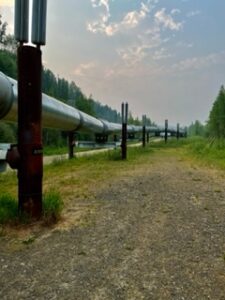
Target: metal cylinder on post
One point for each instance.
(166, 130)
(30, 170)
(21, 20)
(39, 22)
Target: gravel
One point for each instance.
(158, 233)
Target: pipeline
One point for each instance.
(58, 115)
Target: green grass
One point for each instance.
(48, 151)
(8, 209)
(52, 206)
(210, 152)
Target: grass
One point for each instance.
(208, 152)
(48, 151)
(8, 209)
(52, 208)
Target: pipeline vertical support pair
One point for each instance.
(124, 114)
(166, 131)
(143, 130)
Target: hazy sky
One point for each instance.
(166, 58)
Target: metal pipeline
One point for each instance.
(56, 114)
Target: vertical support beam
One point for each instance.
(143, 130)
(178, 131)
(124, 113)
(166, 130)
(30, 169)
(71, 144)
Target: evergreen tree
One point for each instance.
(3, 26)
(216, 123)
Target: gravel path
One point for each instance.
(159, 234)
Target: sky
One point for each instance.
(166, 58)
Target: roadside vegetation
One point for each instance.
(52, 208)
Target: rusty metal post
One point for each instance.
(166, 130)
(71, 144)
(124, 113)
(30, 167)
(178, 131)
(144, 131)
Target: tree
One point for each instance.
(216, 123)
(3, 26)
(196, 129)
(8, 63)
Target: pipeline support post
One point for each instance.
(71, 144)
(28, 157)
(166, 130)
(124, 113)
(30, 167)
(143, 131)
(178, 131)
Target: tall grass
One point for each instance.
(8, 209)
(52, 208)
(211, 151)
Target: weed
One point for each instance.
(29, 240)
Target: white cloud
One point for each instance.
(196, 63)
(193, 13)
(175, 11)
(161, 54)
(167, 21)
(83, 69)
(133, 54)
(131, 19)
(183, 44)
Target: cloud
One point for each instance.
(167, 21)
(196, 63)
(161, 54)
(131, 19)
(133, 54)
(193, 13)
(175, 11)
(82, 69)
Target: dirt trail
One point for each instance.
(159, 234)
